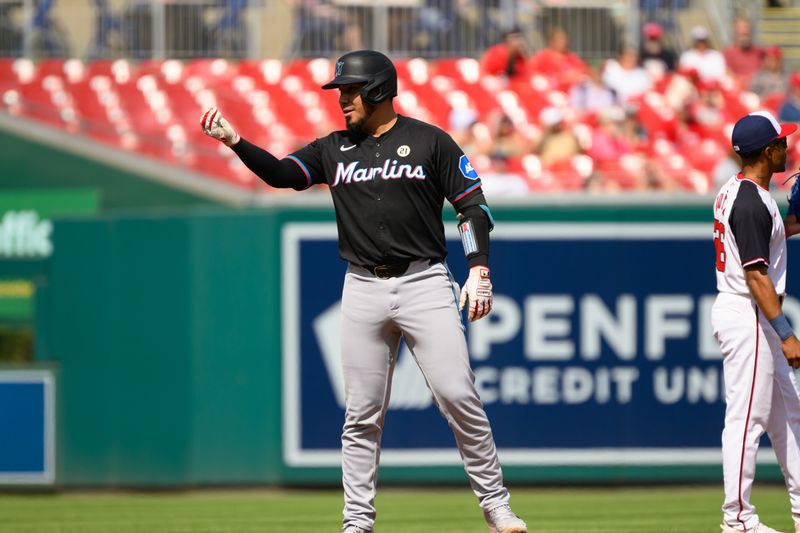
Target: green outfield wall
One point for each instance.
(28, 164)
(166, 334)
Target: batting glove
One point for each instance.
(478, 290)
(794, 199)
(214, 125)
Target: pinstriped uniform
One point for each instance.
(760, 395)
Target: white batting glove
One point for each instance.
(214, 125)
(478, 290)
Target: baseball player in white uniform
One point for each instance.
(757, 340)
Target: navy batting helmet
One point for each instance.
(369, 67)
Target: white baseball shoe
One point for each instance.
(759, 528)
(502, 519)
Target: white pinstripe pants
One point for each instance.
(760, 397)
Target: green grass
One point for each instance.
(562, 510)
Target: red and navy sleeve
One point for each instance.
(751, 224)
(309, 159)
(457, 176)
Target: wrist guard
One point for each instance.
(473, 226)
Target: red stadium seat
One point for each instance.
(567, 175)
(705, 156)
(153, 108)
(216, 69)
(37, 103)
(624, 173)
(7, 69)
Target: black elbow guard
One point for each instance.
(474, 225)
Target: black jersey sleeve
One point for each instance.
(751, 224)
(457, 177)
(309, 158)
(279, 173)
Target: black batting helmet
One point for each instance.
(369, 67)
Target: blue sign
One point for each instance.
(598, 350)
(27, 427)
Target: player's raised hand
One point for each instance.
(478, 292)
(791, 350)
(214, 125)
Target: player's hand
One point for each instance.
(478, 291)
(214, 125)
(791, 350)
(794, 199)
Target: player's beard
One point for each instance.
(781, 166)
(356, 125)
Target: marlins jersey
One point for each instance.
(748, 230)
(388, 191)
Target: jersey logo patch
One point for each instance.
(404, 150)
(344, 148)
(466, 168)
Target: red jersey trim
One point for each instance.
(746, 425)
(465, 192)
(754, 261)
(740, 177)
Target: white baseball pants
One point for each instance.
(760, 396)
(421, 307)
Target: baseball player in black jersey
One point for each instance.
(389, 176)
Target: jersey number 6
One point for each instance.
(719, 244)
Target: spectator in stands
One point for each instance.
(506, 58)
(457, 26)
(708, 110)
(49, 39)
(656, 57)
(322, 27)
(625, 77)
(681, 89)
(506, 141)
(709, 64)
(558, 143)
(465, 129)
(107, 31)
(562, 67)
(770, 79)
(608, 140)
(725, 168)
(790, 108)
(590, 96)
(230, 30)
(743, 57)
(632, 128)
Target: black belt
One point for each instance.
(390, 270)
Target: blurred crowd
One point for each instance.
(630, 115)
(651, 118)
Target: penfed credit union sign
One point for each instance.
(598, 350)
